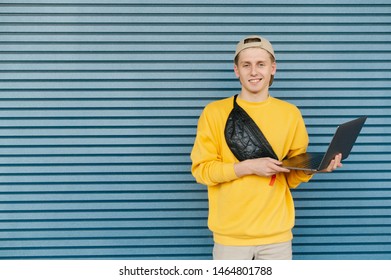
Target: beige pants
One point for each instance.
(278, 251)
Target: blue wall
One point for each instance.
(99, 102)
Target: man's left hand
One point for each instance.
(334, 164)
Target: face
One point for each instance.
(254, 70)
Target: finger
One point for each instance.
(274, 161)
(278, 169)
(337, 162)
(334, 163)
(331, 166)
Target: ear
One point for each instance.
(236, 71)
(274, 68)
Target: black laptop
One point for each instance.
(342, 142)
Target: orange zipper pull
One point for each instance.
(272, 180)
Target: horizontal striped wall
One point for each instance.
(99, 102)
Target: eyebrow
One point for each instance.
(259, 61)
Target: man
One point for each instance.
(251, 210)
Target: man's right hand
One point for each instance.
(264, 167)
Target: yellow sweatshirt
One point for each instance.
(249, 211)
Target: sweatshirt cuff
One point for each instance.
(229, 172)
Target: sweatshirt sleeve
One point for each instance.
(207, 165)
(296, 177)
(299, 146)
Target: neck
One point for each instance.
(254, 97)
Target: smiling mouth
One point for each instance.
(254, 81)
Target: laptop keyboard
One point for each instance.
(313, 162)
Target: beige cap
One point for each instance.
(259, 42)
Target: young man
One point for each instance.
(251, 210)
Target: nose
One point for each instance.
(253, 71)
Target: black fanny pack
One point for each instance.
(244, 137)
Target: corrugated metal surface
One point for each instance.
(99, 102)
